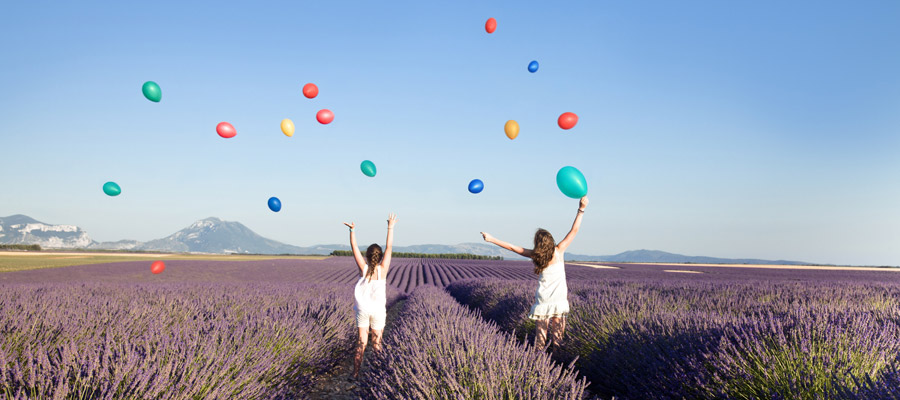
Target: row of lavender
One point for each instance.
(438, 349)
(170, 340)
(678, 338)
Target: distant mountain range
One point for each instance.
(212, 235)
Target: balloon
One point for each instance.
(111, 189)
(567, 120)
(225, 130)
(324, 116)
(490, 25)
(368, 168)
(310, 90)
(476, 186)
(512, 129)
(571, 182)
(287, 126)
(152, 91)
(157, 267)
(533, 67)
(274, 204)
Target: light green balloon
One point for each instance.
(152, 91)
(368, 168)
(571, 182)
(111, 189)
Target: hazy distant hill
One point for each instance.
(213, 235)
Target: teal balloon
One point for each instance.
(367, 168)
(111, 189)
(152, 91)
(571, 182)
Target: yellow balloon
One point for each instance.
(287, 126)
(512, 129)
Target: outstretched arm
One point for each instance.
(563, 244)
(360, 261)
(511, 247)
(389, 244)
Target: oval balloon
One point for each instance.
(287, 126)
(152, 91)
(274, 204)
(225, 130)
(310, 90)
(512, 129)
(476, 186)
(490, 25)
(324, 116)
(368, 168)
(157, 267)
(567, 120)
(571, 182)
(111, 189)
(533, 66)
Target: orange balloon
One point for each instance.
(490, 25)
(567, 120)
(157, 267)
(310, 90)
(512, 129)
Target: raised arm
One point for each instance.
(360, 261)
(389, 245)
(511, 247)
(563, 244)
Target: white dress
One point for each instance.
(370, 294)
(551, 299)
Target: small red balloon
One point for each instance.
(225, 130)
(157, 267)
(310, 90)
(324, 116)
(567, 120)
(490, 25)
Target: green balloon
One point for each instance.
(368, 168)
(571, 182)
(111, 189)
(152, 91)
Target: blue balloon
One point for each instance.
(533, 67)
(476, 186)
(274, 204)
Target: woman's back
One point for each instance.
(371, 293)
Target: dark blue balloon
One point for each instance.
(533, 66)
(476, 186)
(274, 204)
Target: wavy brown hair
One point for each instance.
(374, 255)
(543, 250)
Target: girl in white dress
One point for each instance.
(551, 300)
(370, 291)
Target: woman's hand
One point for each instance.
(351, 225)
(487, 237)
(392, 220)
(583, 203)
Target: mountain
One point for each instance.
(656, 256)
(21, 229)
(212, 235)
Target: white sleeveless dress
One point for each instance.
(371, 294)
(551, 298)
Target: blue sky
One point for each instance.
(736, 129)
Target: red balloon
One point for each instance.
(157, 267)
(225, 130)
(310, 90)
(490, 25)
(324, 116)
(567, 120)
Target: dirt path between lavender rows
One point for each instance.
(337, 384)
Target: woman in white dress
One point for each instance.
(551, 300)
(370, 290)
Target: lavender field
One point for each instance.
(271, 328)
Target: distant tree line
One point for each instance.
(27, 247)
(397, 254)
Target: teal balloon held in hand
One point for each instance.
(111, 189)
(152, 91)
(368, 168)
(571, 182)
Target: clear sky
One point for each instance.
(764, 129)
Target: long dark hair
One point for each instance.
(374, 255)
(543, 250)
